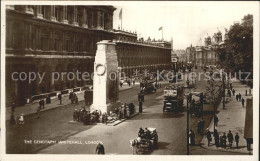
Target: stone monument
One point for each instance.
(105, 80)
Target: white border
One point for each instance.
(132, 157)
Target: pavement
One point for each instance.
(31, 108)
(231, 118)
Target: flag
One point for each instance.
(120, 14)
(160, 28)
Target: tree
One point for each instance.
(237, 53)
(213, 92)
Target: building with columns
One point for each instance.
(207, 54)
(48, 39)
(138, 55)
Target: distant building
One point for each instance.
(207, 54)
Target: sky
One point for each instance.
(185, 22)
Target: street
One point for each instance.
(53, 125)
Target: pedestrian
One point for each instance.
(246, 92)
(224, 140)
(60, 98)
(237, 139)
(202, 126)
(38, 112)
(141, 132)
(21, 119)
(13, 107)
(70, 95)
(140, 107)
(40, 104)
(230, 138)
(216, 120)
(129, 83)
(43, 103)
(48, 99)
(199, 127)
(216, 137)
(237, 97)
(12, 119)
(100, 149)
(229, 93)
(86, 97)
(209, 136)
(192, 138)
(243, 102)
(76, 99)
(233, 91)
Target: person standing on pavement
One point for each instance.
(224, 140)
(199, 127)
(243, 102)
(60, 98)
(209, 136)
(230, 138)
(38, 112)
(100, 149)
(246, 92)
(192, 138)
(239, 97)
(216, 137)
(43, 103)
(202, 126)
(216, 120)
(140, 107)
(233, 91)
(13, 107)
(12, 119)
(237, 139)
(40, 104)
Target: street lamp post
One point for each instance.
(188, 146)
(223, 82)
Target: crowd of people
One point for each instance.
(96, 116)
(87, 117)
(221, 141)
(73, 98)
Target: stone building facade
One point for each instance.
(48, 39)
(207, 54)
(136, 55)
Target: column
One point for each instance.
(98, 19)
(29, 9)
(37, 38)
(75, 17)
(92, 19)
(103, 20)
(64, 15)
(85, 18)
(39, 12)
(53, 18)
(30, 37)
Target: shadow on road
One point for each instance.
(158, 116)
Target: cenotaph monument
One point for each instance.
(106, 79)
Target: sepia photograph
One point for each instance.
(130, 78)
